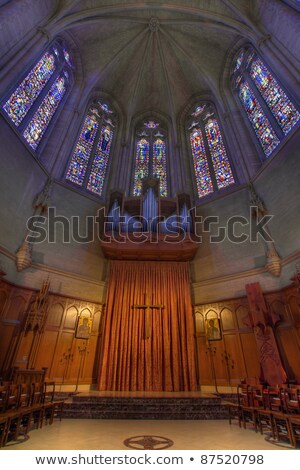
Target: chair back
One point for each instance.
(3, 397)
(13, 396)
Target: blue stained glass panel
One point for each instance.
(160, 165)
(67, 57)
(141, 165)
(42, 117)
(239, 60)
(99, 166)
(81, 155)
(199, 109)
(201, 167)
(282, 108)
(260, 123)
(151, 124)
(222, 168)
(21, 100)
(104, 106)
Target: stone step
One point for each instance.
(144, 408)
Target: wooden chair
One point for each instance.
(25, 395)
(3, 397)
(18, 411)
(52, 408)
(36, 404)
(37, 396)
(58, 409)
(282, 428)
(248, 410)
(262, 414)
(12, 397)
(48, 403)
(291, 397)
(294, 422)
(49, 392)
(4, 420)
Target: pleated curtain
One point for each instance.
(166, 360)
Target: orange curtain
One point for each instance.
(166, 360)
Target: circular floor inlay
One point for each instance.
(148, 442)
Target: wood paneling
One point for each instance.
(55, 315)
(3, 298)
(227, 319)
(242, 313)
(238, 343)
(57, 347)
(16, 308)
(71, 316)
(250, 355)
(97, 322)
(290, 351)
(6, 333)
(232, 359)
(294, 306)
(204, 361)
(47, 345)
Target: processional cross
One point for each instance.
(147, 307)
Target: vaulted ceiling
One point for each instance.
(153, 55)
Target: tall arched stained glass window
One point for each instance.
(201, 167)
(150, 156)
(42, 117)
(212, 168)
(21, 100)
(160, 164)
(90, 158)
(32, 104)
(141, 164)
(221, 165)
(270, 111)
(281, 107)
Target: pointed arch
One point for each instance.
(31, 105)
(270, 111)
(88, 165)
(211, 163)
(151, 155)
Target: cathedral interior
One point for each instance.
(150, 178)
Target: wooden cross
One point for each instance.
(147, 306)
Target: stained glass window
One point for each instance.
(160, 165)
(21, 100)
(201, 168)
(67, 57)
(99, 167)
(270, 111)
(150, 156)
(36, 99)
(212, 167)
(105, 107)
(239, 60)
(151, 124)
(90, 158)
(282, 108)
(81, 155)
(218, 153)
(41, 119)
(260, 123)
(199, 109)
(141, 165)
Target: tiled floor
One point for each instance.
(96, 434)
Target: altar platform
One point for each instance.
(145, 405)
